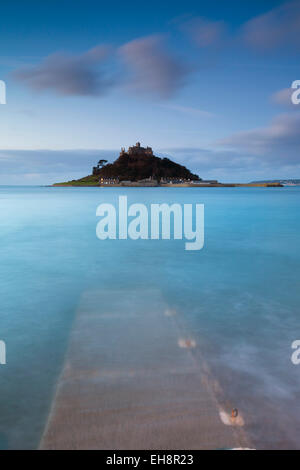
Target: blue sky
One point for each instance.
(207, 84)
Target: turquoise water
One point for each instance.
(239, 296)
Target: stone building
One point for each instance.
(138, 150)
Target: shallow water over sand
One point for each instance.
(238, 298)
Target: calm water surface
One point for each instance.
(239, 296)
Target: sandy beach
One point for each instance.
(131, 381)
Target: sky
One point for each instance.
(207, 84)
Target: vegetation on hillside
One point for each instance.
(138, 163)
(138, 166)
(91, 180)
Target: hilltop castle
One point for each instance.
(139, 164)
(137, 150)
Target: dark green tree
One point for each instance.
(101, 164)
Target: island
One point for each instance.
(139, 167)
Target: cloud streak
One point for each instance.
(283, 97)
(279, 141)
(195, 112)
(145, 66)
(153, 69)
(270, 152)
(48, 166)
(67, 74)
(278, 27)
(204, 33)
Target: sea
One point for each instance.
(238, 297)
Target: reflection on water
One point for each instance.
(237, 299)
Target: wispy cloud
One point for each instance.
(145, 65)
(283, 97)
(48, 166)
(68, 74)
(152, 68)
(188, 110)
(269, 152)
(279, 141)
(203, 32)
(278, 27)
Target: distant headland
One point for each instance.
(283, 182)
(139, 167)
